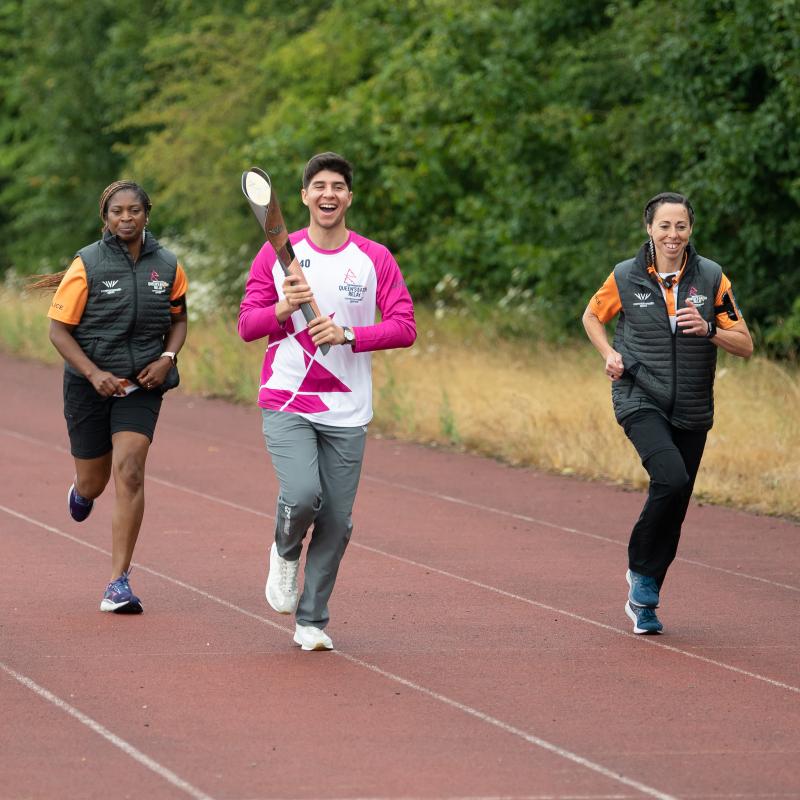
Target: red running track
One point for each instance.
(482, 649)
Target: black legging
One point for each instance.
(672, 458)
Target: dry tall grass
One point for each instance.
(526, 403)
(533, 404)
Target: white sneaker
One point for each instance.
(311, 638)
(281, 588)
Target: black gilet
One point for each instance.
(669, 373)
(127, 314)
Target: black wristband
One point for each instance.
(712, 330)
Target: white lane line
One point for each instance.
(126, 747)
(485, 797)
(544, 523)
(685, 796)
(528, 737)
(473, 712)
(521, 517)
(457, 501)
(505, 513)
(652, 641)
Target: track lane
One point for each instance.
(400, 632)
(245, 686)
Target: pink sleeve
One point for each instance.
(397, 327)
(257, 311)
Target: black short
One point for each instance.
(92, 419)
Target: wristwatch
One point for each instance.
(349, 336)
(712, 330)
(170, 355)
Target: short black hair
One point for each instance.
(666, 197)
(332, 161)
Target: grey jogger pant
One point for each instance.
(318, 468)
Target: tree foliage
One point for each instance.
(503, 149)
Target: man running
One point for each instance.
(316, 408)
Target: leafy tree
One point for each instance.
(503, 149)
(77, 68)
(215, 78)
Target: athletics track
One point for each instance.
(482, 649)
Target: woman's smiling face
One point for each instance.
(670, 231)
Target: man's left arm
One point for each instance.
(397, 327)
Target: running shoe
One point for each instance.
(281, 588)
(311, 638)
(79, 507)
(643, 591)
(644, 619)
(119, 598)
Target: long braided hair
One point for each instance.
(653, 205)
(51, 281)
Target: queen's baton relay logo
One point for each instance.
(351, 288)
(156, 284)
(695, 297)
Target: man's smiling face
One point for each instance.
(327, 198)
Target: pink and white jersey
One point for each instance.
(349, 285)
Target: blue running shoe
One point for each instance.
(79, 507)
(643, 591)
(644, 619)
(119, 598)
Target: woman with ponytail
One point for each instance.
(675, 308)
(118, 319)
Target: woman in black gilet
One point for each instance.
(118, 319)
(674, 308)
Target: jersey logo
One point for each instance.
(111, 287)
(643, 298)
(156, 284)
(351, 288)
(643, 295)
(695, 297)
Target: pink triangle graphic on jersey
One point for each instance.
(319, 379)
(350, 277)
(306, 345)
